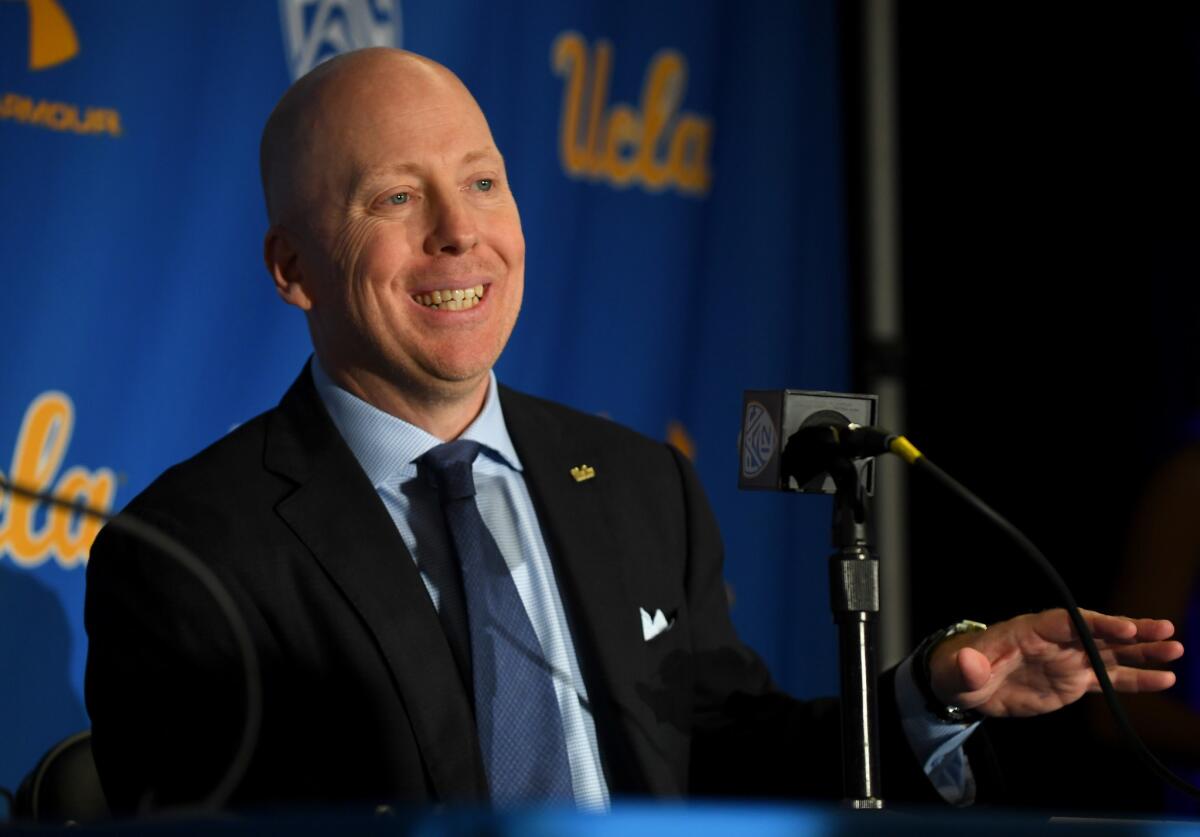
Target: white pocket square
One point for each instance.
(652, 627)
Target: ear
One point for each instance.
(283, 263)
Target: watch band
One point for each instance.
(948, 713)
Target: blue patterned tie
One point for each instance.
(516, 710)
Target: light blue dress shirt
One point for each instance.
(937, 745)
(388, 448)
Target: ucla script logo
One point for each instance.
(758, 440)
(29, 537)
(53, 41)
(315, 30)
(654, 145)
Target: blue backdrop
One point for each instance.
(677, 165)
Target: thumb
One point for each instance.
(954, 671)
(974, 669)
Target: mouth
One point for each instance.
(456, 299)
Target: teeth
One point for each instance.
(457, 299)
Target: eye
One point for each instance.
(484, 184)
(398, 198)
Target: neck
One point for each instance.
(444, 413)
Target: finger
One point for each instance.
(1155, 629)
(1104, 626)
(1056, 626)
(955, 671)
(1134, 680)
(974, 669)
(1144, 653)
(1122, 628)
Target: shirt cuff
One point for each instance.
(936, 743)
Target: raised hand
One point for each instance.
(1035, 663)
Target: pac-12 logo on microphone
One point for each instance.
(758, 440)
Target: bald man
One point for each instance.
(384, 186)
(394, 229)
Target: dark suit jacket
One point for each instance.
(362, 698)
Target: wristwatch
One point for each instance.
(946, 712)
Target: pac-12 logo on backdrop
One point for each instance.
(316, 30)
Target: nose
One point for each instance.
(452, 230)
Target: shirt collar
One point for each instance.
(383, 443)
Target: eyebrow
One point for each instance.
(483, 153)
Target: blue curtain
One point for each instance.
(677, 166)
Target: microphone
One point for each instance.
(791, 437)
(819, 442)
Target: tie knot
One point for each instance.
(450, 465)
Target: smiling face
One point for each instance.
(386, 194)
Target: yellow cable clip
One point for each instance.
(905, 450)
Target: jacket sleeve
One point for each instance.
(164, 684)
(750, 739)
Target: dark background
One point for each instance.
(1048, 189)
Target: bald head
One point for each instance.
(385, 189)
(314, 120)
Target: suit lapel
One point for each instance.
(590, 571)
(339, 517)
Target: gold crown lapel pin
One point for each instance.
(581, 473)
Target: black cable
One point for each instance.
(168, 545)
(1085, 635)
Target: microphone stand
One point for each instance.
(854, 599)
